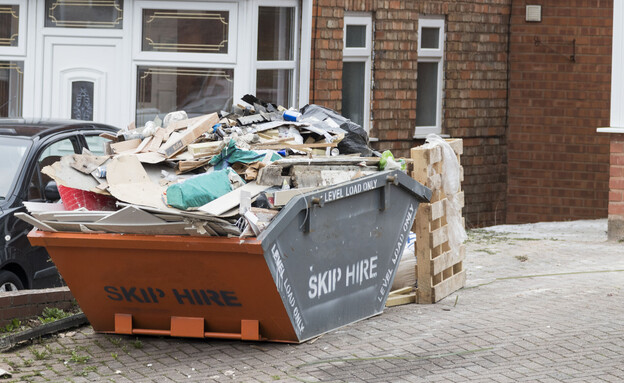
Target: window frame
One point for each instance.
(361, 55)
(20, 49)
(191, 57)
(277, 64)
(432, 55)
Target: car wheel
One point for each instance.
(9, 282)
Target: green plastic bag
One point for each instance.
(200, 190)
(387, 162)
(231, 154)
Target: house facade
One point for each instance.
(525, 84)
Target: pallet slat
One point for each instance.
(448, 259)
(448, 286)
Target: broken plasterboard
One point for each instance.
(43, 206)
(33, 221)
(281, 197)
(131, 215)
(64, 174)
(232, 199)
(128, 181)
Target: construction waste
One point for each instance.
(220, 174)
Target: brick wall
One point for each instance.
(558, 164)
(616, 188)
(475, 84)
(28, 304)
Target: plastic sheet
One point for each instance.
(406, 272)
(451, 186)
(356, 138)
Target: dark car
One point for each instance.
(26, 146)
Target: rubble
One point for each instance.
(220, 174)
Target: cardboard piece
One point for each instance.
(124, 146)
(128, 181)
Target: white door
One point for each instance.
(82, 79)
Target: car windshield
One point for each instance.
(12, 153)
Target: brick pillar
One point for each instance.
(616, 188)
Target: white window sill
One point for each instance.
(424, 135)
(610, 130)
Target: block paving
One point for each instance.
(543, 303)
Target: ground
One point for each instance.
(543, 303)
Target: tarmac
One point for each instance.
(543, 303)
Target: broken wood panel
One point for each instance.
(448, 259)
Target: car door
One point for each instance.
(40, 270)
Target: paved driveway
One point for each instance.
(544, 303)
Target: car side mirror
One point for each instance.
(51, 192)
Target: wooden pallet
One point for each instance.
(439, 268)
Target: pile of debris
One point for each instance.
(221, 174)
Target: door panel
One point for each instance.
(82, 79)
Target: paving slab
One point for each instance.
(543, 303)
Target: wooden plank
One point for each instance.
(401, 291)
(423, 252)
(448, 259)
(449, 286)
(439, 236)
(397, 300)
(157, 139)
(438, 209)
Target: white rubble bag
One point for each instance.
(406, 273)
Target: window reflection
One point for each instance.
(9, 25)
(84, 13)
(185, 31)
(274, 85)
(197, 91)
(276, 33)
(11, 88)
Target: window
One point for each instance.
(275, 54)
(356, 69)
(197, 91)
(50, 155)
(198, 31)
(201, 57)
(97, 145)
(430, 76)
(11, 88)
(13, 27)
(84, 14)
